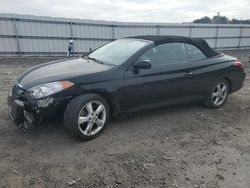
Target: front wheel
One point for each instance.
(86, 116)
(218, 95)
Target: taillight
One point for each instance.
(239, 64)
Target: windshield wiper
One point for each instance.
(94, 59)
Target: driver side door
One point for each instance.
(164, 83)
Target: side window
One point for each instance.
(194, 53)
(166, 54)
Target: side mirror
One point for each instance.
(142, 64)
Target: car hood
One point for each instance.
(59, 70)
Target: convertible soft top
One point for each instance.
(198, 42)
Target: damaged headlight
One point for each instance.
(47, 89)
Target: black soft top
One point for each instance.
(198, 42)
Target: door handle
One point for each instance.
(189, 73)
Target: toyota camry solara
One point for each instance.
(127, 74)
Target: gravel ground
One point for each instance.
(180, 146)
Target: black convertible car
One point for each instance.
(125, 75)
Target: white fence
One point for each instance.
(35, 35)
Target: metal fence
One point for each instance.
(35, 35)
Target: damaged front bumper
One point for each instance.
(27, 112)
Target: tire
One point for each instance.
(81, 122)
(211, 100)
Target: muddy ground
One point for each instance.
(180, 146)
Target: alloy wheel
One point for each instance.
(92, 118)
(219, 94)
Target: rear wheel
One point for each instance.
(85, 116)
(218, 95)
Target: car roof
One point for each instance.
(161, 38)
(198, 42)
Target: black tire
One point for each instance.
(209, 101)
(73, 109)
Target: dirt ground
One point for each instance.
(180, 146)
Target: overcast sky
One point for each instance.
(130, 10)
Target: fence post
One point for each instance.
(158, 29)
(113, 32)
(190, 31)
(71, 30)
(17, 37)
(241, 28)
(216, 36)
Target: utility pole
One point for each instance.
(218, 15)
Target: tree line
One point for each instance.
(218, 19)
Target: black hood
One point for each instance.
(59, 70)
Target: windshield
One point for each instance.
(117, 52)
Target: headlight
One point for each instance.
(47, 89)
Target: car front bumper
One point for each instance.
(27, 112)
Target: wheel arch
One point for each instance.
(111, 100)
(229, 83)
